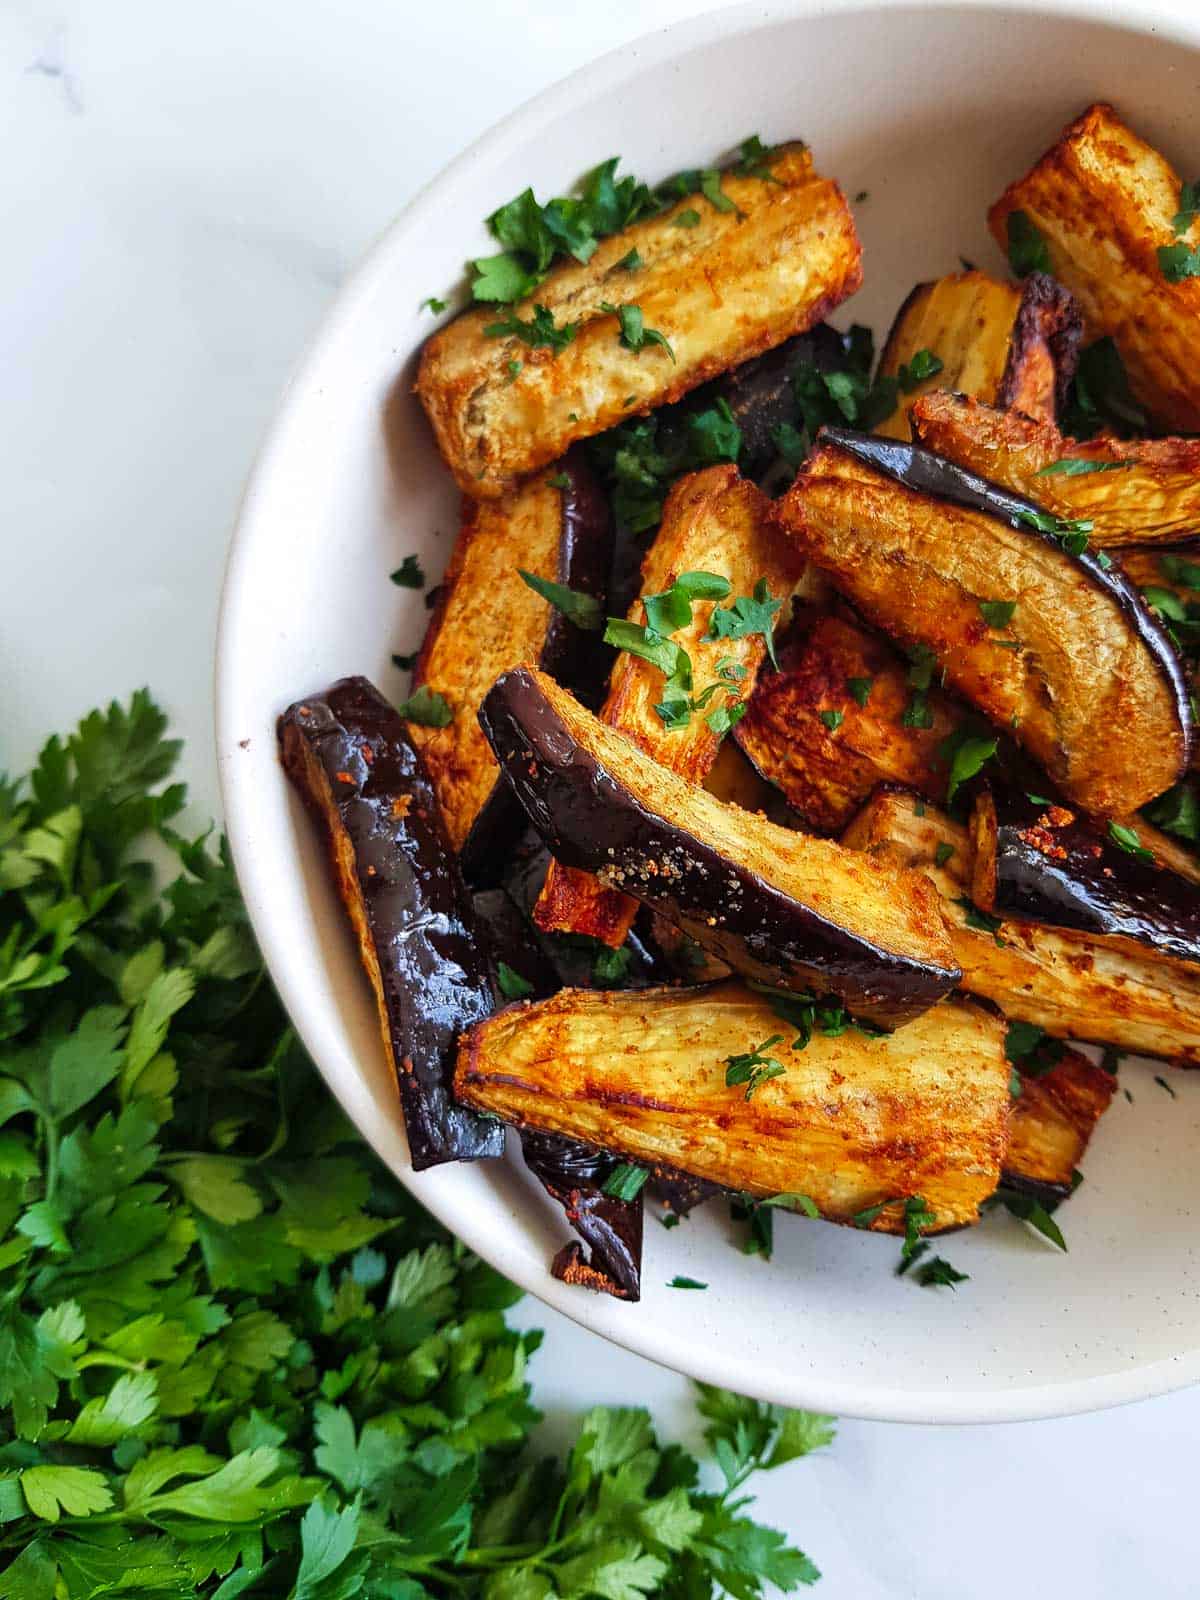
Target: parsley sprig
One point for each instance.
(236, 1357)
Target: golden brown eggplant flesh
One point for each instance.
(831, 724)
(735, 284)
(1009, 344)
(852, 1121)
(1080, 673)
(717, 522)
(349, 756)
(557, 527)
(1105, 202)
(1053, 1119)
(1037, 861)
(1073, 985)
(1132, 491)
(777, 906)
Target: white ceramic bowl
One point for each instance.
(931, 110)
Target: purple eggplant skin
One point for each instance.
(761, 394)
(574, 1175)
(577, 659)
(433, 972)
(588, 819)
(1054, 865)
(933, 475)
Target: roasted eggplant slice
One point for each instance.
(1071, 984)
(841, 717)
(1057, 648)
(850, 1122)
(1053, 1119)
(348, 754)
(777, 906)
(713, 522)
(1036, 861)
(1132, 491)
(557, 527)
(738, 282)
(1008, 344)
(574, 1175)
(1104, 202)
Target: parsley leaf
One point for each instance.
(1078, 467)
(435, 305)
(832, 719)
(426, 707)
(1100, 396)
(748, 615)
(1072, 533)
(512, 985)
(1178, 261)
(408, 575)
(860, 689)
(1027, 249)
(680, 1282)
(969, 756)
(540, 332)
(943, 853)
(634, 333)
(1126, 839)
(1189, 207)
(997, 613)
(625, 1181)
(754, 1068)
(687, 218)
(924, 365)
(583, 610)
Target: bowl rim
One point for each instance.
(599, 1314)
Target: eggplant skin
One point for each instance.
(1082, 675)
(349, 756)
(761, 395)
(488, 618)
(779, 907)
(852, 1122)
(1104, 201)
(827, 773)
(736, 284)
(713, 521)
(574, 1175)
(1008, 344)
(1046, 863)
(1052, 1122)
(1154, 499)
(1073, 985)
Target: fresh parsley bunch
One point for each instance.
(235, 1357)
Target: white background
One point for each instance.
(182, 189)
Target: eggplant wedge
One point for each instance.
(852, 1121)
(839, 718)
(741, 280)
(1009, 344)
(558, 528)
(715, 522)
(1104, 202)
(1036, 861)
(1073, 985)
(782, 908)
(349, 756)
(761, 394)
(1056, 648)
(1052, 1122)
(1132, 491)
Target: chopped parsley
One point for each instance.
(558, 480)
(1126, 839)
(1078, 467)
(1178, 261)
(427, 708)
(630, 261)
(584, 610)
(755, 159)
(513, 369)
(917, 1215)
(1163, 1084)
(1027, 249)
(943, 853)
(670, 1219)
(512, 985)
(406, 662)
(967, 754)
(980, 920)
(1189, 208)
(832, 719)
(746, 616)
(435, 305)
(924, 365)
(860, 689)
(916, 713)
(997, 613)
(1100, 396)
(679, 1282)
(540, 332)
(687, 218)
(408, 575)
(754, 1068)
(937, 1273)
(672, 610)
(1177, 569)
(611, 968)
(1177, 812)
(1071, 533)
(642, 457)
(710, 188)
(1027, 1209)
(634, 333)
(625, 1181)
(1032, 1049)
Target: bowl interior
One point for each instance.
(927, 113)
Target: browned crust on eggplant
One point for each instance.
(1008, 344)
(1072, 985)
(713, 521)
(1104, 201)
(853, 1120)
(1082, 692)
(1053, 1119)
(734, 285)
(827, 773)
(1153, 500)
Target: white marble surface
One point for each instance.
(182, 190)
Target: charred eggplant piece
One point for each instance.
(1132, 491)
(1070, 984)
(574, 1174)
(761, 393)
(1104, 202)
(1057, 648)
(1036, 861)
(738, 282)
(779, 907)
(557, 527)
(1053, 1119)
(839, 718)
(1007, 344)
(714, 522)
(349, 756)
(852, 1121)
